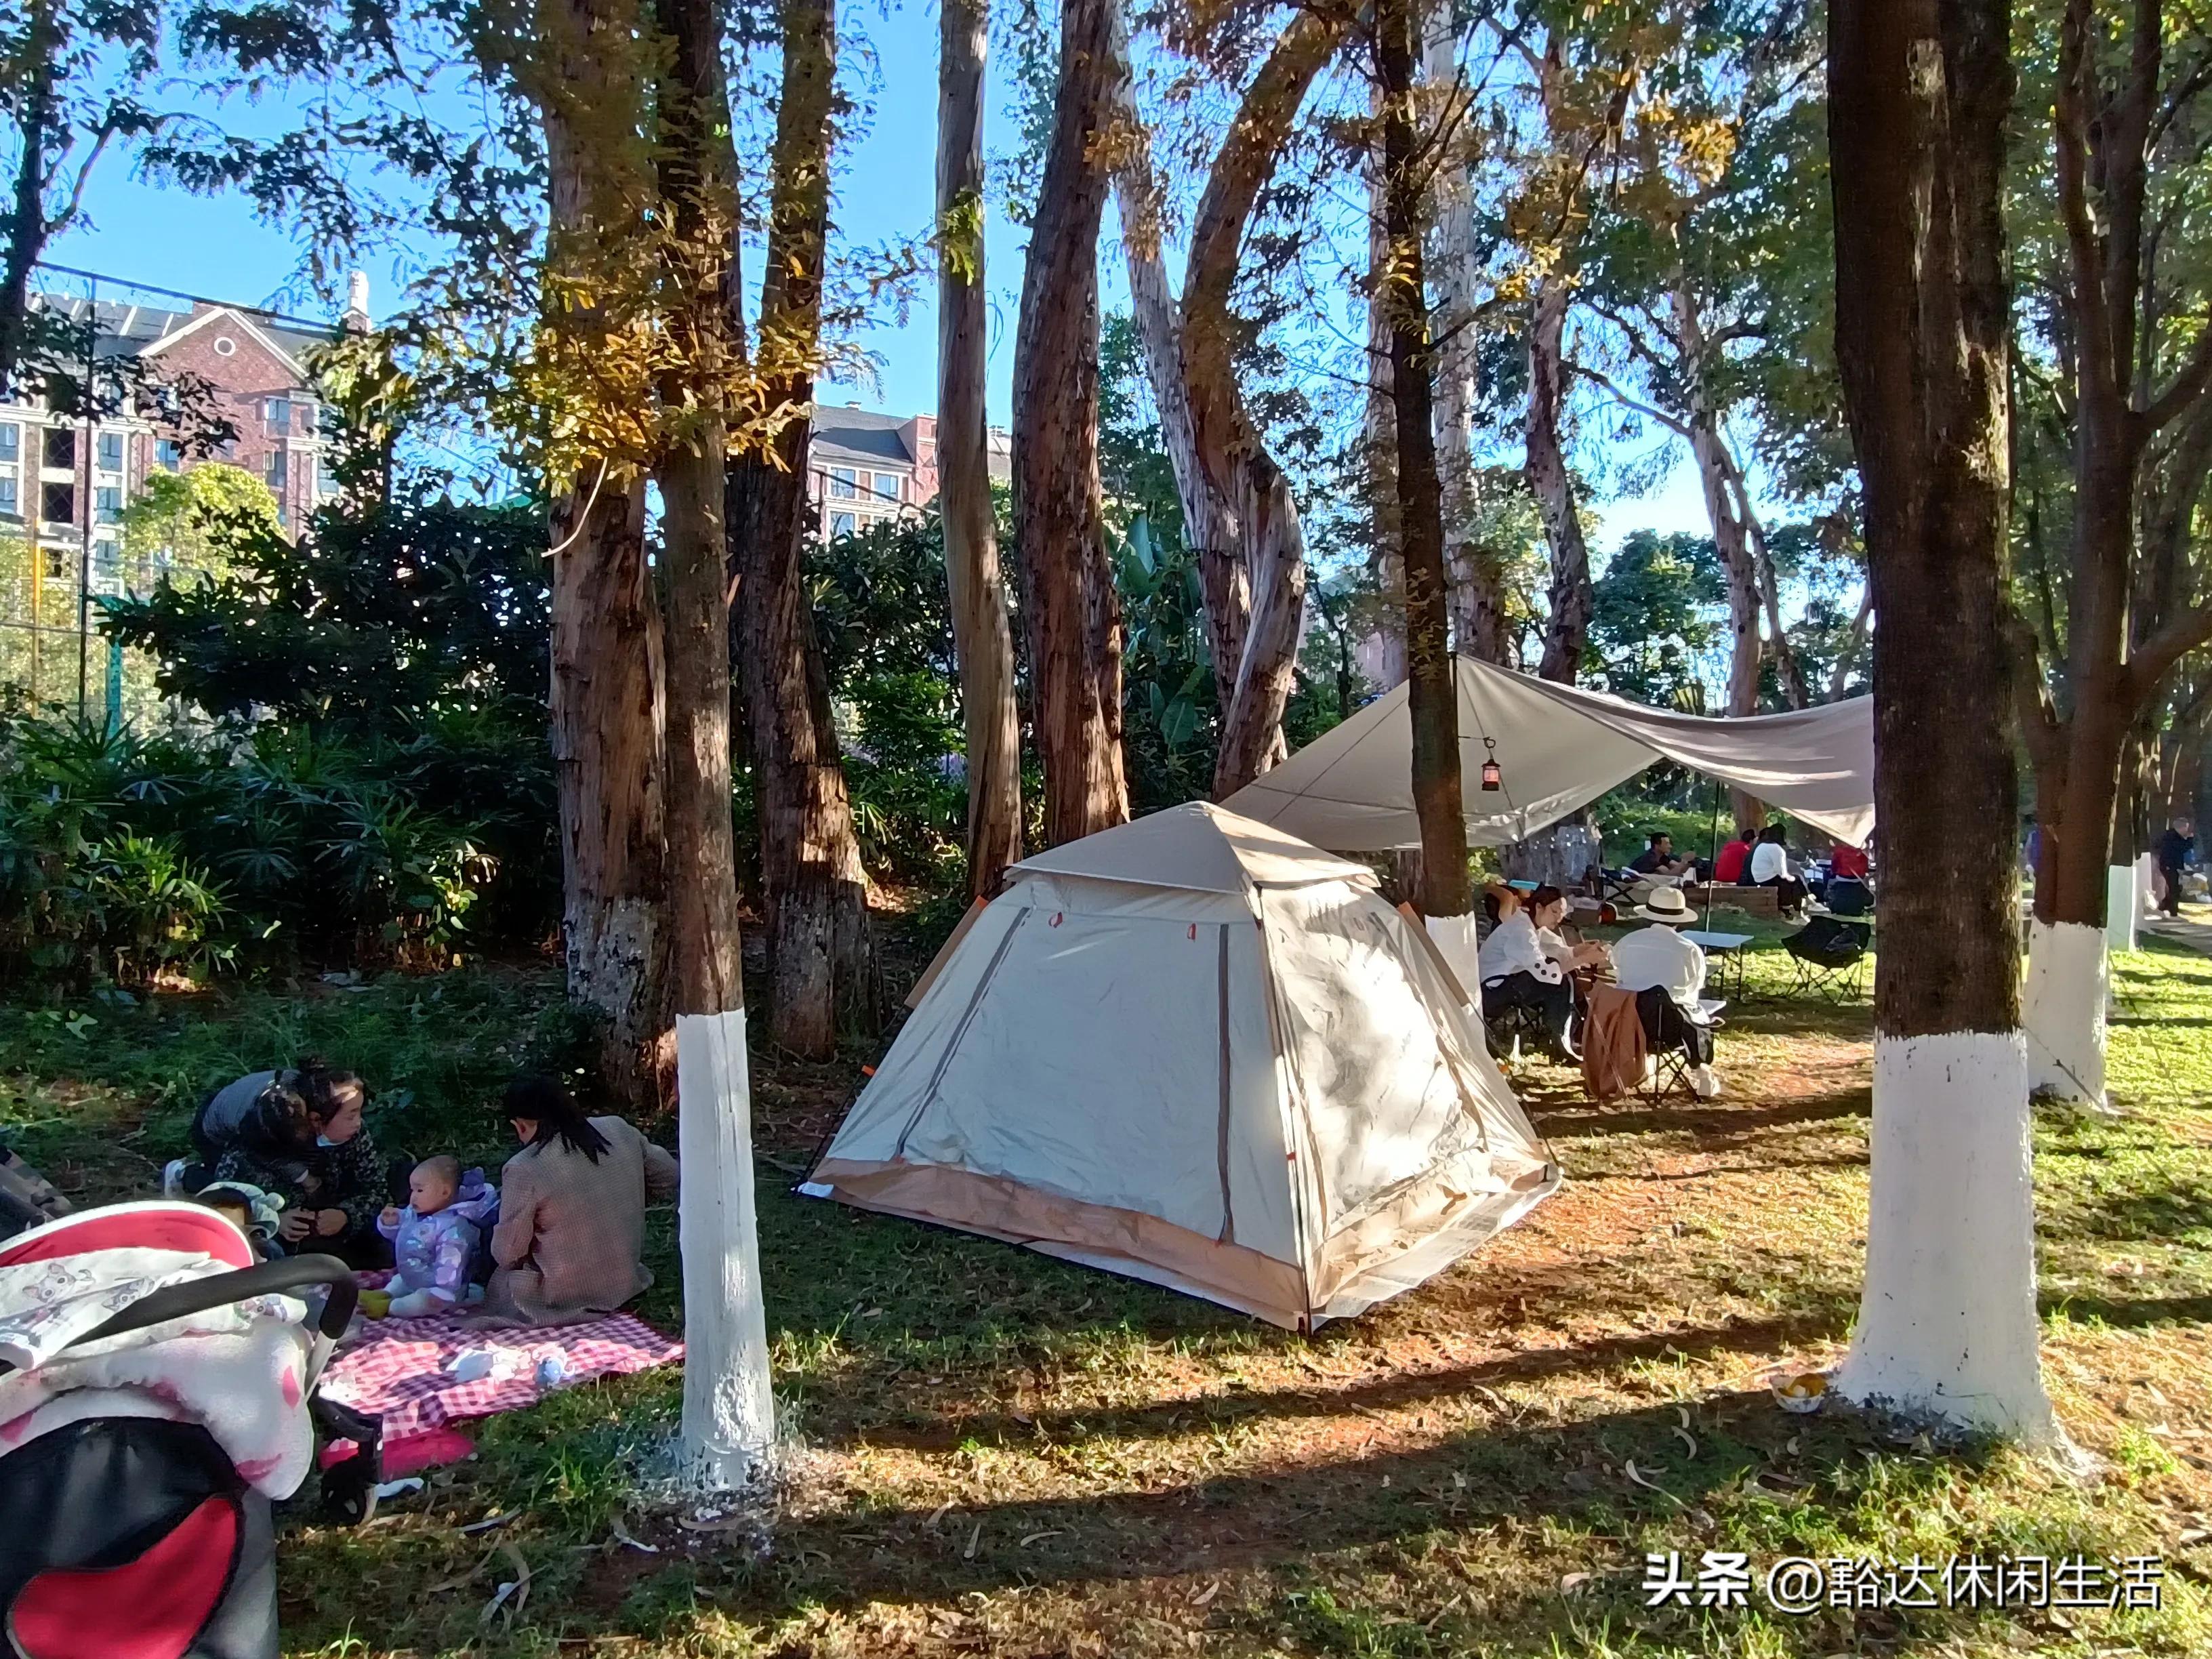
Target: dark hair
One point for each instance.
(277, 1127)
(1658, 835)
(1543, 896)
(1772, 832)
(1749, 833)
(542, 1101)
(320, 1085)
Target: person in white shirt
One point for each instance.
(1659, 960)
(1525, 964)
(1770, 867)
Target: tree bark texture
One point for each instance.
(1432, 696)
(822, 962)
(2110, 113)
(697, 169)
(1478, 603)
(981, 632)
(1568, 627)
(1071, 612)
(1731, 536)
(1923, 337)
(1229, 446)
(1379, 442)
(1920, 91)
(1209, 531)
(26, 218)
(606, 713)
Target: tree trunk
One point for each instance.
(1947, 1325)
(1478, 606)
(1072, 616)
(821, 960)
(27, 229)
(981, 632)
(1839, 678)
(605, 728)
(729, 1410)
(1548, 478)
(1229, 446)
(1208, 529)
(1433, 697)
(1379, 442)
(605, 693)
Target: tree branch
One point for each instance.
(1599, 379)
(2148, 669)
(2039, 723)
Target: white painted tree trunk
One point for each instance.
(1455, 941)
(729, 1410)
(2063, 1010)
(1947, 1326)
(2121, 907)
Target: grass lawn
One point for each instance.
(994, 1453)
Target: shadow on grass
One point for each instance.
(1407, 1388)
(1717, 1124)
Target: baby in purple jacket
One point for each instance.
(434, 1240)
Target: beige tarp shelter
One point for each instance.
(1196, 1051)
(1559, 748)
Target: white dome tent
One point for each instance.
(1196, 1051)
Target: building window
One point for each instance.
(10, 506)
(276, 414)
(108, 500)
(61, 446)
(55, 568)
(168, 452)
(843, 483)
(57, 504)
(326, 477)
(273, 470)
(11, 442)
(887, 486)
(111, 452)
(841, 525)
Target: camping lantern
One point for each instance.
(1492, 779)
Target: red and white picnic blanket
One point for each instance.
(404, 1370)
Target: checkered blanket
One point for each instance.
(401, 1368)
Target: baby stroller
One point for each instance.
(133, 1433)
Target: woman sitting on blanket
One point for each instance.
(572, 1209)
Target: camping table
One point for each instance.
(1728, 948)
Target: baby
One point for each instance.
(435, 1238)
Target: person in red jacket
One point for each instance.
(1847, 861)
(1728, 868)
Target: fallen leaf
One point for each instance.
(1033, 1538)
(1207, 1594)
(1630, 1468)
(1573, 1582)
(1683, 1435)
(622, 1536)
(710, 1524)
(490, 1521)
(974, 1539)
(937, 1514)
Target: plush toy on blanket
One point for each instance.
(436, 1239)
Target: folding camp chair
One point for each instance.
(1847, 895)
(1508, 1029)
(1828, 955)
(1671, 1064)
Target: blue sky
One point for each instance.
(215, 247)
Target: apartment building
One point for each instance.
(865, 468)
(65, 479)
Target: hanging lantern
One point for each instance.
(1492, 779)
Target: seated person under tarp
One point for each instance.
(1524, 963)
(1657, 957)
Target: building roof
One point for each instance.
(127, 330)
(860, 434)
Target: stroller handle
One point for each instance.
(292, 1272)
